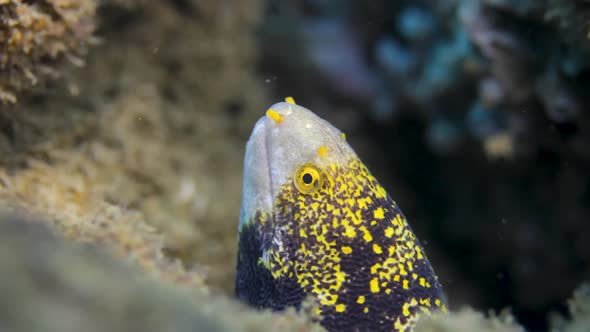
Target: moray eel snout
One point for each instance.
(315, 222)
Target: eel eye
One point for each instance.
(308, 178)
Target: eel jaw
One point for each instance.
(257, 192)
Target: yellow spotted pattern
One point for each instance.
(350, 246)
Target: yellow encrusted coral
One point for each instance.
(65, 197)
(36, 35)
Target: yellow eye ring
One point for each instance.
(308, 178)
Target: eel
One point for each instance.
(315, 223)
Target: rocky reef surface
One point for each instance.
(142, 147)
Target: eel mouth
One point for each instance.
(261, 164)
(257, 193)
(265, 148)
